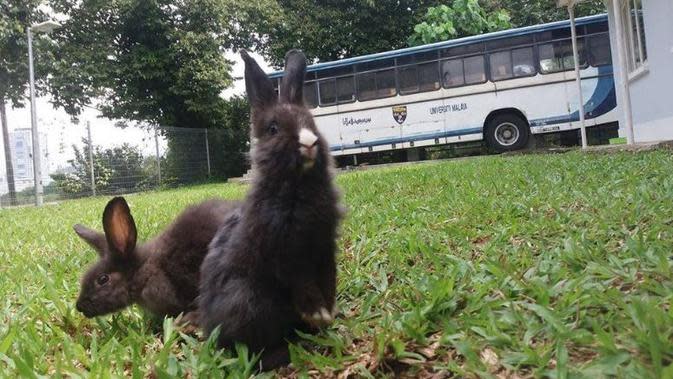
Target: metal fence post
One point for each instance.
(207, 152)
(156, 145)
(90, 141)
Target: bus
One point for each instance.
(500, 87)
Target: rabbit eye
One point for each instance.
(272, 128)
(103, 279)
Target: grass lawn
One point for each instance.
(526, 266)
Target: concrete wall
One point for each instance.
(651, 92)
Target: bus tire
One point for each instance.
(507, 132)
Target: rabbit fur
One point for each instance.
(161, 275)
(271, 268)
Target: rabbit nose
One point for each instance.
(308, 144)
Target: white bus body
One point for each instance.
(544, 99)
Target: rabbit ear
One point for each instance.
(257, 85)
(92, 237)
(292, 85)
(120, 229)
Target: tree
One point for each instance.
(78, 181)
(119, 169)
(463, 18)
(533, 12)
(185, 160)
(15, 17)
(156, 62)
(229, 145)
(334, 29)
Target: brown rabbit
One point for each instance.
(272, 268)
(161, 275)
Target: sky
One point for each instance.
(61, 133)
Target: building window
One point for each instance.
(634, 34)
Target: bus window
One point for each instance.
(549, 62)
(310, 95)
(555, 34)
(598, 27)
(428, 76)
(523, 62)
(418, 77)
(366, 86)
(558, 56)
(599, 50)
(327, 92)
(568, 60)
(426, 56)
(501, 65)
(385, 83)
(502, 43)
(376, 84)
(475, 71)
(462, 50)
(333, 72)
(345, 89)
(408, 78)
(275, 85)
(452, 73)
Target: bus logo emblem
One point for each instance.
(400, 113)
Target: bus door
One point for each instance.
(382, 133)
(423, 124)
(351, 126)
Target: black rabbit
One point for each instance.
(272, 267)
(161, 275)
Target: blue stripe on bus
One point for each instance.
(451, 43)
(602, 101)
(418, 137)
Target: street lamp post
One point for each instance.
(43, 27)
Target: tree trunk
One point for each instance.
(9, 167)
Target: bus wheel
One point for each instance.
(507, 132)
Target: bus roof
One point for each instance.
(450, 43)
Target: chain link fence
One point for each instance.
(122, 162)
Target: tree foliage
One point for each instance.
(229, 145)
(533, 12)
(463, 18)
(159, 62)
(116, 170)
(15, 17)
(227, 148)
(333, 29)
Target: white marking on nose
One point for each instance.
(307, 138)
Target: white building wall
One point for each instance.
(652, 91)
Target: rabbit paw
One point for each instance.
(312, 309)
(321, 317)
(188, 323)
